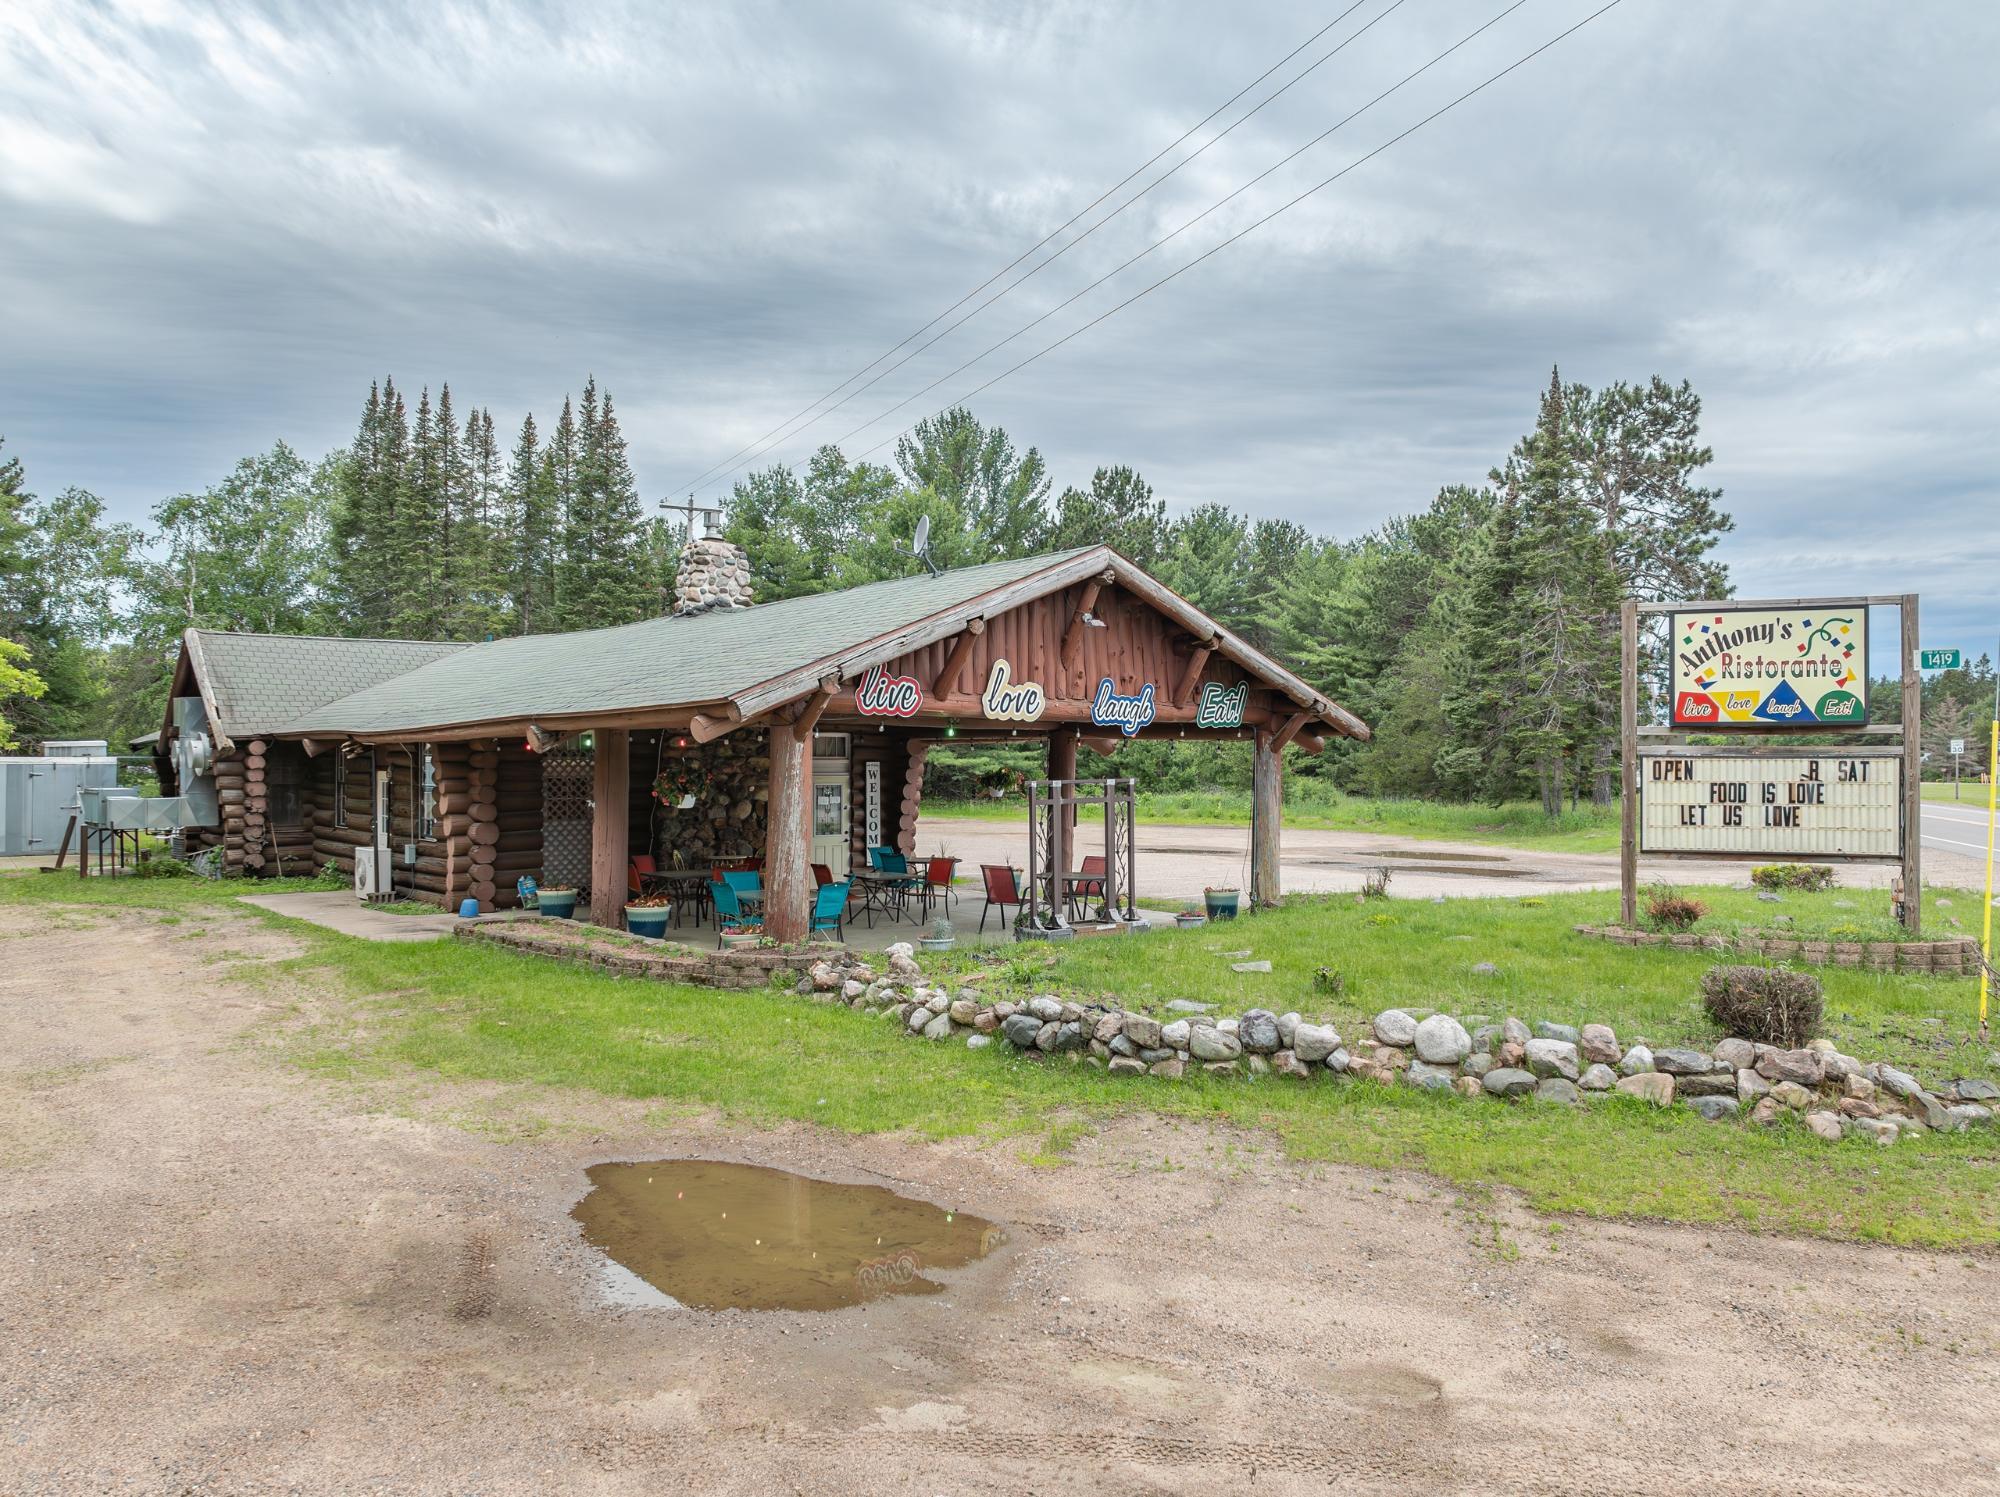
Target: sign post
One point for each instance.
(1765, 671)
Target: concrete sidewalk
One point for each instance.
(337, 909)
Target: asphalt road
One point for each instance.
(1958, 828)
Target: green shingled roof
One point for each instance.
(260, 682)
(663, 662)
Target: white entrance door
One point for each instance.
(830, 808)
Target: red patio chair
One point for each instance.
(936, 885)
(1086, 889)
(1002, 888)
(641, 868)
(822, 875)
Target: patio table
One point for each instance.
(882, 891)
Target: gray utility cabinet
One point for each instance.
(38, 795)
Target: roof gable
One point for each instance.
(258, 683)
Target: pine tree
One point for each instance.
(528, 527)
(483, 585)
(559, 484)
(604, 579)
(416, 531)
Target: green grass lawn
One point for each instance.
(768, 1057)
(1970, 793)
(1515, 824)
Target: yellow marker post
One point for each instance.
(1992, 813)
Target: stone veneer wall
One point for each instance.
(1958, 956)
(712, 573)
(733, 818)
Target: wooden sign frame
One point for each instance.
(1909, 730)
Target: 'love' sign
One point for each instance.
(883, 695)
(1008, 701)
(1127, 714)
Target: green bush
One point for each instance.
(158, 865)
(1809, 877)
(1773, 1004)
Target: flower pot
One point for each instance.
(648, 920)
(1222, 903)
(937, 943)
(1189, 922)
(738, 940)
(557, 904)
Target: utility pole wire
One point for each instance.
(734, 465)
(1058, 229)
(1252, 228)
(1119, 269)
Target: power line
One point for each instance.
(1045, 264)
(1252, 228)
(1059, 228)
(1119, 269)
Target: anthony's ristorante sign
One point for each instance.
(1771, 668)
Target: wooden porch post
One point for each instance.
(788, 880)
(1267, 811)
(1062, 766)
(610, 825)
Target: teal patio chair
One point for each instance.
(730, 915)
(830, 909)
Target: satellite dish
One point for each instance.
(920, 544)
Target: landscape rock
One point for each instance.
(1514, 1032)
(1485, 969)
(1125, 1065)
(1598, 1044)
(1548, 1057)
(1476, 1064)
(978, 1041)
(917, 1018)
(1257, 1065)
(963, 1011)
(1857, 1107)
(1975, 1089)
(1750, 1087)
(1598, 1078)
(939, 1028)
(1442, 1041)
(1339, 1060)
(1738, 1055)
(1313, 1043)
(1221, 1068)
(1505, 1081)
(1855, 1084)
(1824, 1125)
(1432, 1078)
(1791, 1094)
(1188, 1006)
(1047, 1036)
(1259, 966)
(1486, 1037)
(1928, 1110)
(1208, 1043)
(1468, 1086)
(1021, 1030)
(1896, 1083)
(1711, 1084)
(1714, 1108)
(1637, 1062)
(1045, 1008)
(1546, 1030)
(1766, 1112)
(1172, 1070)
(1257, 1032)
(1555, 1089)
(1677, 1060)
(1394, 1027)
(1965, 1114)
(1107, 1028)
(1288, 1027)
(1121, 1045)
(1142, 1031)
(1879, 1129)
(1176, 1034)
(1656, 1087)
(1511, 1054)
(1287, 1063)
(1806, 1067)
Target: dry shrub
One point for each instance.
(1773, 1004)
(1670, 911)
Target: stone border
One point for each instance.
(621, 955)
(1957, 957)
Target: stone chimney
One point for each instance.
(713, 573)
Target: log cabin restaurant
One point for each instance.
(788, 735)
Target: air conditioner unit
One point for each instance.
(372, 875)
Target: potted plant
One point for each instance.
(1190, 915)
(739, 939)
(683, 784)
(1222, 904)
(941, 937)
(648, 916)
(556, 902)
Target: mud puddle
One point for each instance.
(717, 1236)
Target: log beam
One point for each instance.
(706, 727)
(809, 715)
(1267, 806)
(946, 682)
(610, 826)
(788, 880)
(1197, 663)
(1072, 640)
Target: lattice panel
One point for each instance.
(566, 817)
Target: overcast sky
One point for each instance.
(218, 222)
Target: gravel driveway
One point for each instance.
(221, 1274)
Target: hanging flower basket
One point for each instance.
(683, 785)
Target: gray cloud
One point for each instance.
(220, 221)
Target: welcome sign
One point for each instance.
(1770, 668)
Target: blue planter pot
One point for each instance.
(649, 920)
(557, 905)
(1220, 906)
